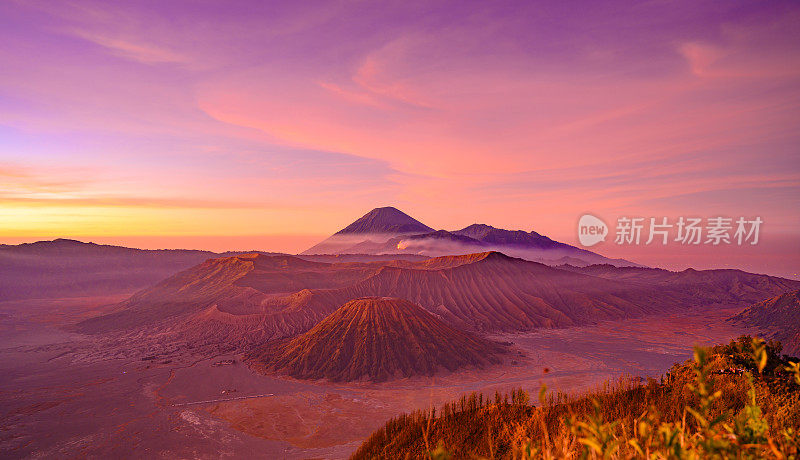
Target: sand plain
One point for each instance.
(68, 395)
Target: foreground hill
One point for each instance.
(252, 298)
(376, 338)
(598, 424)
(778, 318)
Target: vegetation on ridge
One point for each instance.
(740, 400)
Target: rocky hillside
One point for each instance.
(778, 318)
(376, 338)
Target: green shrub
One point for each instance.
(740, 400)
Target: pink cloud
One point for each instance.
(516, 115)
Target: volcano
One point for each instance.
(369, 232)
(224, 292)
(250, 299)
(387, 220)
(254, 297)
(377, 339)
(390, 231)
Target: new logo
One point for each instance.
(591, 230)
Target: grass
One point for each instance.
(740, 400)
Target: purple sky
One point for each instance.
(268, 124)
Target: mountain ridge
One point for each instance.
(388, 230)
(69, 268)
(778, 318)
(275, 296)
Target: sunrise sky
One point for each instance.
(268, 125)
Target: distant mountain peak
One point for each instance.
(68, 241)
(387, 219)
(58, 242)
(59, 246)
(492, 235)
(477, 227)
(387, 230)
(444, 235)
(480, 231)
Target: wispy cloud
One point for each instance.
(510, 113)
(142, 52)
